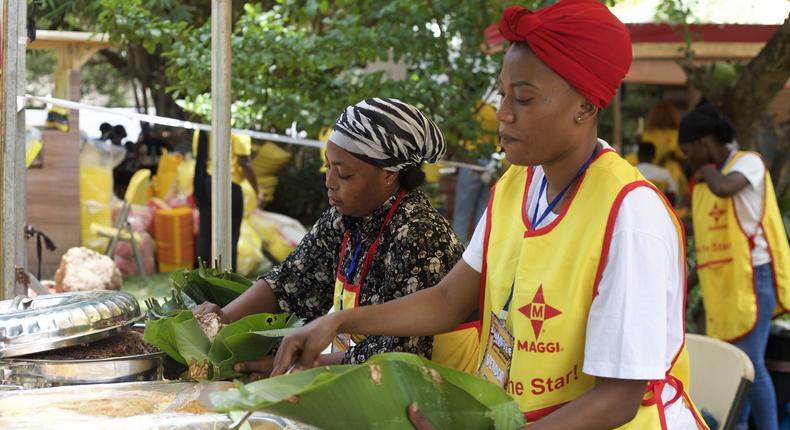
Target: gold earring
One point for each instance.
(579, 118)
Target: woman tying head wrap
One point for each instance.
(380, 240)
(743, 259)
(577, 326)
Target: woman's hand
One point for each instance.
(259, 369)
(210, 308)
(303, 347)
(418, 420)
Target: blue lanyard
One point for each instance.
(509, 298)
(355, 257)
(544, 184)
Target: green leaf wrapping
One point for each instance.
(161, 333)
(194, 346)
(249, 338)
(207, 284)
(376, 394)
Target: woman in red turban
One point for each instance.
(579, 260)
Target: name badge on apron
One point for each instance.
(498, 355)
(346, 297)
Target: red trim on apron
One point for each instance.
(537, 414)
(531, 231)
(657, 387)
(618, 201)
(484, 268)
(357, 288)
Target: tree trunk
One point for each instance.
(780, 168)
(754, 88)
(757, 85)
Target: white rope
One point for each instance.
(172, 122)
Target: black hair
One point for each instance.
(411, 177)
(105, 127)
(646, 152)
(705, 120)
(119, 131)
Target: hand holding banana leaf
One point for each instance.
(378, 394)
(303, 346)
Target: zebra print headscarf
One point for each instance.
(388, 133)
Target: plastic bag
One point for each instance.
(250, 260)
(124, 256)
(97, 160)
(280, 234)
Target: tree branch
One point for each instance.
(115, 59)
(760, 80)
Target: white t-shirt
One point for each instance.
(640, 296)
(749, 203)
(658, 174)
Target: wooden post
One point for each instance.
(221, 25)
(12, 126)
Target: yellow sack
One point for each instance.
(432, 172)
(280, 234)
(250, 199)
(268, 184)
(323, 136)
(95, 198)
(267, 162)
(185, 174)
(249, 256)
(165, 180)
(269, 159)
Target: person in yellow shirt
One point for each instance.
(576, 328)
(241, 170)
(743, 258)
(661, 129)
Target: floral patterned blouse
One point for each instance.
(416, 250)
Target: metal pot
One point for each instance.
(28, 373)
(30, 325)
(45, 323)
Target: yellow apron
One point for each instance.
(555, 271)
(724, 259)
(457, 349)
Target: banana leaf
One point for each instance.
(376, 394)
(249, 338)
(162, 334)
(207, 284)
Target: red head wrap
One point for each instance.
(579, 39)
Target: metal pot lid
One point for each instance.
(30, 325)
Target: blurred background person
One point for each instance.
(659, 176)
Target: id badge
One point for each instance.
(342, 343)
(495, 366)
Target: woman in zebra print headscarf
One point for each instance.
(389, 141)
(380, 240)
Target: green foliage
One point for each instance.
(135, 22)
(305, 61)
(695, 310)
(674, 11)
